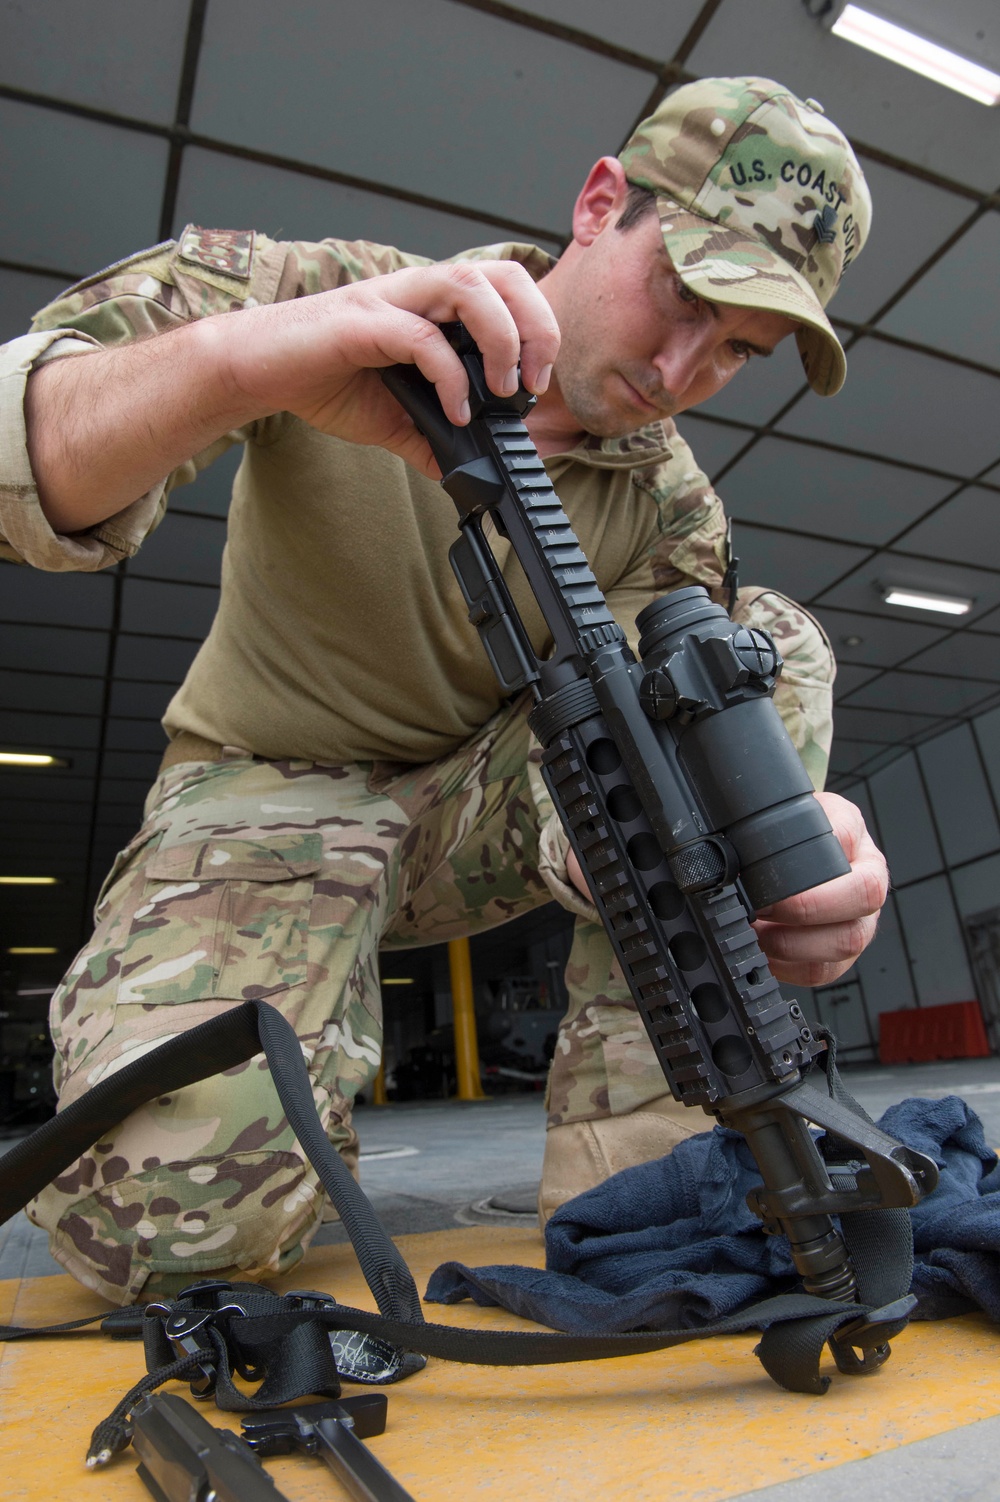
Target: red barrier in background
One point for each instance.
(918, 1034)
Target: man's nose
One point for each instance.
(680, 360)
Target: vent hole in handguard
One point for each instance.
(624, 804)
(603, 757)
(644, 851)
(709, 1002)
(732, 1055)
(666, 900)
(688, 949)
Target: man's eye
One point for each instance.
(743, 351)
(684, 292)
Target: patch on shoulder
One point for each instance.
(229, 251)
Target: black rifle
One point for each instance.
(688, 807)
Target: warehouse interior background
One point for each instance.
(438, 124)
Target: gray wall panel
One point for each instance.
(905, 821)
(884, 972)
(934, 311)
(961, 800)
(938, 424)
(940, 967)
(977, 886)
(28, 594)
(987, 732)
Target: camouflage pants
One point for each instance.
(282, 880)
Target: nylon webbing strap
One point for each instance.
(211, 1048)
(543, 1348)
(806, 1321)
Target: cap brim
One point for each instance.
(728, 266)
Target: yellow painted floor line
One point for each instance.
(697, 1424)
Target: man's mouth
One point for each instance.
(645, 403)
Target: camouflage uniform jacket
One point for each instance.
(341, 634)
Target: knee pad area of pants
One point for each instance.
(248, 1215)
(208, 1182)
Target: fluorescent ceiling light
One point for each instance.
(944, 604)
(397, 980)
(917, 53)
(28, 759)
(32, 949)
(29, 881)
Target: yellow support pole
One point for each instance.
(379, 1097)
(464, 1013)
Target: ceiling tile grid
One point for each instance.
(438, 98)
(907, 405)
(83, 189)
(827, 493)
(93, 53)
(647, 27)
(457, 122)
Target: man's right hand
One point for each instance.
(103, 428)
(324, 352)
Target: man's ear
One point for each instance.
(601, 199)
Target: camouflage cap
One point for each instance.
(762, 204)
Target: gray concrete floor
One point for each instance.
(959, 1466)
(430, 1165)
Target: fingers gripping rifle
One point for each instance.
(687, 807)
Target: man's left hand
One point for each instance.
(812, 938)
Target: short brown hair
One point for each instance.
(638, 203)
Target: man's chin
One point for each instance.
(621, 413)
(600, 423)
(622, 427)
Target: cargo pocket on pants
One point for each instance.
(81, 1014)
(221, 919)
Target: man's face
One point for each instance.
(637, 344)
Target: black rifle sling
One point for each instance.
(796, 1325)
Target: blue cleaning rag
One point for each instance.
(671, 1244)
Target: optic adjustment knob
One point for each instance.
(756, 651)
(658, 696)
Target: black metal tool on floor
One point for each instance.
(335, 1431)
(184, 1458)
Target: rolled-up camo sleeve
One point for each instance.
(25, 535)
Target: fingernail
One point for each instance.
(510, 381)
(465, 412)
(542, 379)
